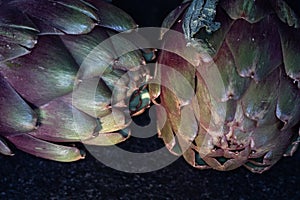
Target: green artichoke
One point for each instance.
(241, 59)
(53, 92)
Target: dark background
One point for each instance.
(26, 177)
(152, 12)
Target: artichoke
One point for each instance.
(58, 85)
(236, 100)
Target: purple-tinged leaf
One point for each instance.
(14, 18)
(260, 98)
(23, 37)
(250, 10)
(285, 13)
(255, 47)
(61, 122)
(4, 149)
(79, 6)
(212, 42)
(93, 97)
(288, 104)
(17, 34)
(234, 84)
(16, 115)
(290, 44)
(70, 20)
(43, 149)
(91, 51)
(112, 122)
(112, 17)
(106, 139)
(10, 51)
(47, 72)
(172, 18)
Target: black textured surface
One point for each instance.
(26, 177)
(148, 12)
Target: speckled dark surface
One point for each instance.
(26, 177)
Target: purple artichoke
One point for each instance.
(54, 93)
(241, 60)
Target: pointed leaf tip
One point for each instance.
(43, 149)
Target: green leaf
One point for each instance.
(188, 128)
(13, 18)
(168, 136)
(290, 43)
(268, 138)
(285, 13)
(112, 17)
(127, 57)
(16, 116)
(93, 52)
(93, 97)
(251, 11)
(4, 149)
(255, 47)
(241, 124)
(10, 51)
(61, 122)
(17, 34)
(172, 18)
(107, 139)
(37, 76)
(288, 104)
(210, 113)
(211, 43)
(202, 103)
(80, 6)
(43, 149)
(23, 37)
(114, 121)
(260, 98)
(70, 18)
(173, 65)
(235, 85)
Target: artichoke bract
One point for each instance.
(53, 90)
(242, 60)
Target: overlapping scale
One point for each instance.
(252, 119)
(63, 79)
